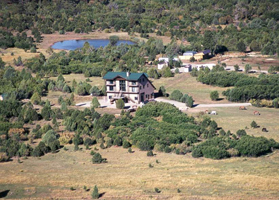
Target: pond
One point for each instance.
(74, 44)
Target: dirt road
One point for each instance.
(182, 106)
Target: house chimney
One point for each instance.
(127, 73)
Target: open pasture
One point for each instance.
(128, 176)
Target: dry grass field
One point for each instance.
(128, 176)
(233, 119)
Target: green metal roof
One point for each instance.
(131, 77)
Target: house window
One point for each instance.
(122, 85)
(110, 82)
(110, 97)
(134, 89)
(134, 83)
(147, 85)
(143, 86)
(110, 88)
(146, 96)
(136, 98)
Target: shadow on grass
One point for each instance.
(220, 99)
(4, 193)
(101, 194)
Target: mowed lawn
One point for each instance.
(128, 176)
(189, 85)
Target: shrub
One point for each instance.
(157, 190)
(126, 144)
(162, 91)
(95, 102)
(95, 91)
(144, 145)
(33, 50)
(241, 133)
(215, 152)
(167, 149)
(95, 193)
(190, 102)
(113, 39)
(120, 104)
(150, 153)
(36, 98)
(49, 137)
(254, 146)
(97, 159)
(196, 153)
(254, 124)
(214, 95)
(117, 141)
(176, 95)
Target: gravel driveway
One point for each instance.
(182, 106)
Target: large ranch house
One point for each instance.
(134, 87)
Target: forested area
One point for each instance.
(156, 126)
(97, 62)
(247, 23)
(260, 91)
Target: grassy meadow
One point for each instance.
(128, 176)
(188, 84)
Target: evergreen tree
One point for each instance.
(95, 103)
(95, 193)
(46, 111)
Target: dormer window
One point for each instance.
(110, 82)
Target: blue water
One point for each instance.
(74, 44)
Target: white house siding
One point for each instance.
(142, 86)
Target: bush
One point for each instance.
(33, 50)
(126, 144)
(113, 39)
(150, 153)
(215, 152)
(95, 102)
(49, 137)
(241, 133)
(36, 98)
(167, 149)
(120, 104)
(176, 95)
(254, 146)
(95, 193)
(196, 153)
(214, 95)
(162, 91)
(97, 159)
(190, 102)
(254, 124)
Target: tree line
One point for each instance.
(247, 23)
